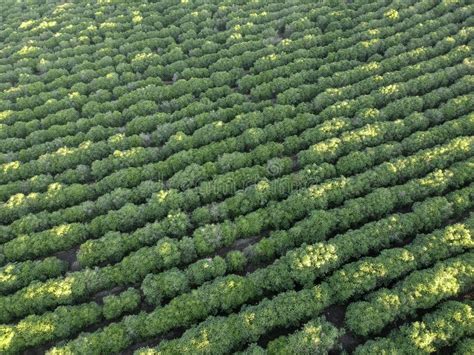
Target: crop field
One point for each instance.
(251, 177)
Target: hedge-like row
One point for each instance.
(114, 200)
(318, 133)
(156, 286)
(167, 253)
(173, 282)
(244, 202)
(225, 294)
(85, 186)
(146, 155)
(181, 85)
(430, 39)
(83, 234)
(65, 321)
(317, 337)
(387, 129)
(244, 226)
(446, 325)
(14, 276)
(420, 290)
(223, 334)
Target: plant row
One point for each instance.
(220, 334)
(325, 70)
(253, 197)
(10, 186)
(67, 191)
(65, 236)
(443, 327)
(155, 287)
(110, 83)
(174, 163)
(316, 337)
(18, 275)
(445, 243)
(65, 321)
(168, 253)
(421, 290)
(72, 158)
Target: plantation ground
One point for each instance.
(253, 177)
